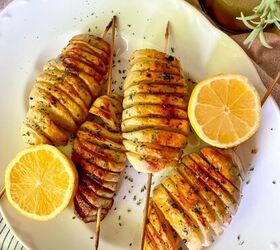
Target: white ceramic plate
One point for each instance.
(33, 31)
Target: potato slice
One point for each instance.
(162, 227)
(216, 187)
(223, 164)
(79, 86)
(154, 234)
(107, 108)
(153, 150)
(180, 222)
(92, 42)
(93, 198)
(59, 82)
(93, 171)
(85, 210)
(148, 88)
(85, 47)
(136, 123)
(147, 54)
(149, 243)
(154, 110)
(31, 135)
(191, 210)
(156, 136)
(110, 154)
(166, 100)
(218, 207)
(146, 76)
(94, 186)
(97, 129)
(217, 177)
(74, 109)
(45, 124)
(149, 164)
(97, 159)
(77, 65)
(88, 58)
(156, 66)
(196, 206)
(99, 140)
(91, 83)
(58, 112)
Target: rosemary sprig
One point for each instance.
(266, 13)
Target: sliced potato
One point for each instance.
(77, 65)
(78, 84)
(72, 79)
(149, 243)
(136, 123)
(45, 124)
(181, 223)
(191, 210)
(93, 171)
(110, 154)
(58, 112)
(154, 234)
(153, 150)
(221, 212)
(59, 82)
(156, 136)
(90, 82)
(149, 164)
(74, 109)
(109, 103)
(97, 129)
(138, 77)
(85, 210)
(196, 206)
(88, 58)
(159, 99)
(148, 54)
(96, 159)
(149, 88)
(154, 110)
(85, 47)
(162, 227)
(216, 187)
(217, 177)
(223, 164)
(156, 66)
(93, 198)
(31, 135)
(107, 108)
(92, 41)
(99, 140)
(94, 186)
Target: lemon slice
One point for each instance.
(40, 182)
(225, 110)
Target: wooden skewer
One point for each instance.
(267, 93)
(150, 176)
(109, 25)
(2, 192)
(270, 88)
(109, 86)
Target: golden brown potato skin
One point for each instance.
(196, 200)
(100, 158)
(155, 124)
(62, 95)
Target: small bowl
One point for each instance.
(224, 13)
